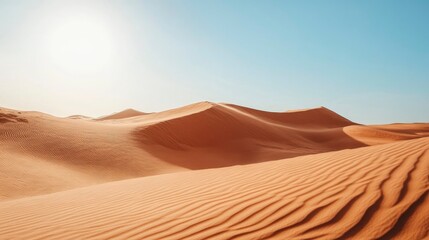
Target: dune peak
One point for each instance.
(127, 113)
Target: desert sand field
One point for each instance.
(211, 171)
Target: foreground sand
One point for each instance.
(206, 171)
(373, 192)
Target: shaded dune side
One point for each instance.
(209, 135)
(314, 117)
(206, 135)
(367, 193)
(10, 117)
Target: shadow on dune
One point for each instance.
(8, 117)
(225, 135)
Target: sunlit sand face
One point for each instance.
(80, 44)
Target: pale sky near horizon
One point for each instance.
(366, 60)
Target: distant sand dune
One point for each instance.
(123, 114)
(366, 193)
(79, 117)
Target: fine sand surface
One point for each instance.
(211, 171)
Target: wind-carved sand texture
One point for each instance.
(211, 171)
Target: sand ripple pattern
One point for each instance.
(376, 192)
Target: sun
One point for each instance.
(80, 44)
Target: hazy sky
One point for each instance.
(367, 60)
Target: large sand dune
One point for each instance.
(207, 170)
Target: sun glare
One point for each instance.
(80, 44)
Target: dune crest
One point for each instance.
(127, 113)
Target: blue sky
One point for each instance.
(367, 60)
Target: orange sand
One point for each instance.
(207, 171)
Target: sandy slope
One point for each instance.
(42, 154)
(366, 193)
(46, 154)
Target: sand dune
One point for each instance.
(222, 135)
(79, 117)
(211, 171)
(206, 135)
(127, 113)
(42, 154)
(366, 193)
(379, 134)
